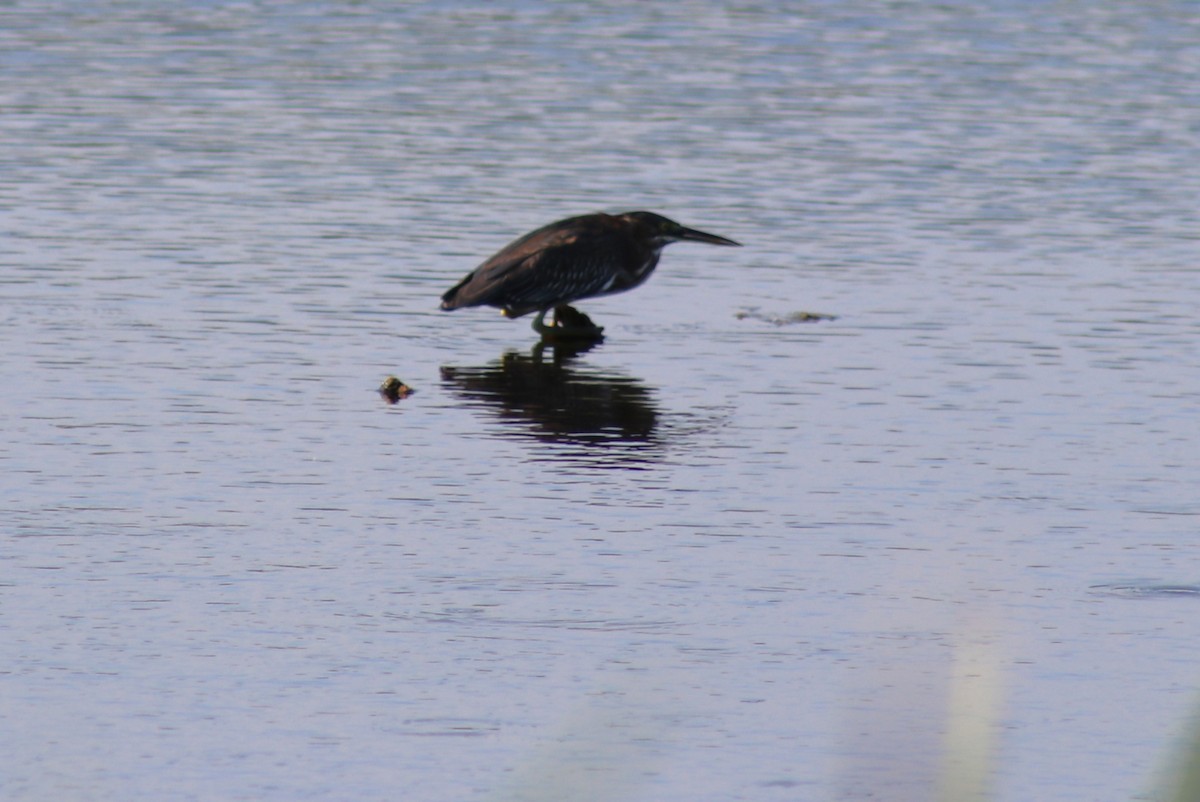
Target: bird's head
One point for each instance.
(662, 230)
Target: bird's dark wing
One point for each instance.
(541, 269)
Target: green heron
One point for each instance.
(567, 261)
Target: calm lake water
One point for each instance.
(723, 555)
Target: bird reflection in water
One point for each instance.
(560, 403)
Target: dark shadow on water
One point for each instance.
(546, 396)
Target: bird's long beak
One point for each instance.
(692, 235)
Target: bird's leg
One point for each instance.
(571, 324)
(539, 326)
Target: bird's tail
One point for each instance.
(450, 299)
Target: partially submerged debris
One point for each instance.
(393, 390)
(788, 319)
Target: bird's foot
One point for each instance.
(569, 324)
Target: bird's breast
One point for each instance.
(634, 272)
(643, 270)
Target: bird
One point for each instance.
(568, 261)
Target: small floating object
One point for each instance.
(783, 320)
(393, 390)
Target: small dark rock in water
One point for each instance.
(394, 390)
(784, 320)
(571, 324)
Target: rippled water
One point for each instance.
(723, 555)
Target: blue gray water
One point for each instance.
(723, 555)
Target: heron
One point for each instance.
(568, 261)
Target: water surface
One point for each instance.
(721, 555)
